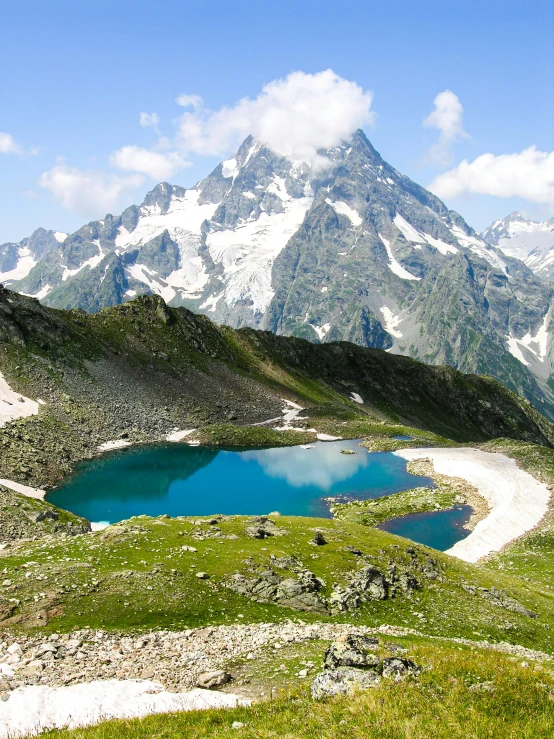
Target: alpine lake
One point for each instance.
(185, 480)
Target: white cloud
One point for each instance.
(150, 120)
(294, 116)
(91, 193)
(158, 165)
(8, 145)
(528, 174)
(190, 101)
(446, 117)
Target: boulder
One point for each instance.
(319, 540)
(212, 680)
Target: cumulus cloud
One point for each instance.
(294, 116)
(91, 193)
(150, 120)
(8, 145)
(446, 117)
(528, 174)
(155, 164)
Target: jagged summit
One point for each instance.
(530, 241)
(353, 250)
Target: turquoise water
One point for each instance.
(183, 480)
(437, 529)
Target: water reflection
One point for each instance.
(318, 465)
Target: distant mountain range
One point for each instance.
(354, 251)
(530, 241)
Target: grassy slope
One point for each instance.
(136, 576)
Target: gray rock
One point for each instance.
(290, 588)
(372, 582)
(344, 681)
(212, 680)
(352, 651)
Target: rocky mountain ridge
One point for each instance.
(355, 251)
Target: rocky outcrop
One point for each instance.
(306, 592)
(353, 663)
(26, 518)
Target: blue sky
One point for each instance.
(76, 75)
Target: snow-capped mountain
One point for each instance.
(354, 251)
(18, 259)
(530, 241)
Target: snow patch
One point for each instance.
(324, 289)
(394, 265)
(442, 246)
(478, 247)
(344, 209)
(142, 273)
(407, 230)
(115, 444)
(30, 492)
(278, 187)
(211, 303)
(357, 398)
(321, 331)
(34, 709)
(25, 263)
(516, 500)
(391, 322)
(14, 405)
(41, 293)
(183, 222)
(92, 262)
(537, 345)
(60, 236)
(247, 253)
(179, 435)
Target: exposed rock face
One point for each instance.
(399, 667)
(306, 592)
(353, 664)
(500, 598)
